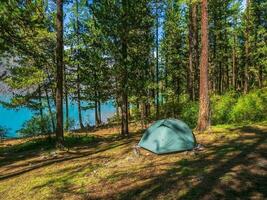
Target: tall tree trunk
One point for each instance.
(96, 114)
(142, 114)
(117, 107)
(226, 53)
(247, 59)
(59, 77)
(78, 68)
(204, 114)
(157, 59)
(41, 109)
(99, 112)
(193, 49)
(50, 110)
(124, 83)
(260, 76)
(66, 100)
(190, 78)
(234, 64)
(220, 78)
(79, 100)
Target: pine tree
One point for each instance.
(59, 77)
(204, 109)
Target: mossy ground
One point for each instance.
(103, 165)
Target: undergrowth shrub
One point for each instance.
(221, 107)
(189, 113)
(250, 107)
(3, 132)
(228, 108)
(36, 126)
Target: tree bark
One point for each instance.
(41, 109)
(157, 60)
(78, 69)
(247, 60)
(50, 110)
(193, 49)
(79, 100)
(190, 79)
(204, 114)
(96, 114)
(99, 112)
(59, 77)
(260, 76)
(124, 83)
(234, 64)
(66, 100)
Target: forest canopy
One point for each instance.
(153, 59)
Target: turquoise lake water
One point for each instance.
(13, 119)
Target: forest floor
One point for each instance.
(102, 165)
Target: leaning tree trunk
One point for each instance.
(204, 114)
(59, 77)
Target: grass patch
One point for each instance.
(43, 144)
(105, 167)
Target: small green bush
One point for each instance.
(228, 108)
(69, 124)
(189, 113)
(74, 140)
(221, 107)
(36, 126)
(250, 107)
(3, 132)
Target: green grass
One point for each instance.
(232, 166)
(46, 144)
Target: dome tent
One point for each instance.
(167, 136)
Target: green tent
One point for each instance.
(167, 136)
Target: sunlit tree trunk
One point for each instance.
(204, 114)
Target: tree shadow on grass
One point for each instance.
(35, 146)
(87, 145)
(224, 171)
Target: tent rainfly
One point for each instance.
(167, 136)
